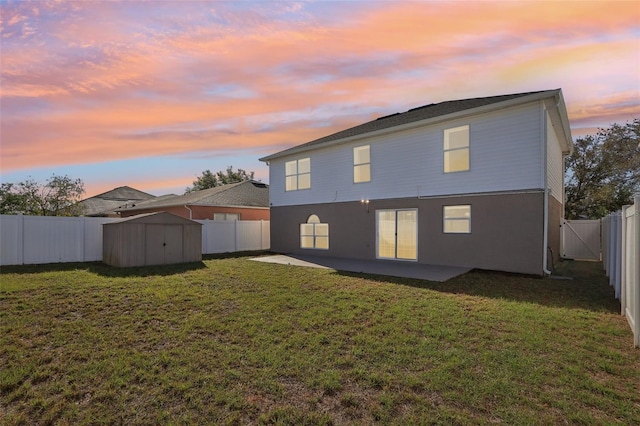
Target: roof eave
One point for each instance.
(564, 117)
(446, 117)
(133, 209)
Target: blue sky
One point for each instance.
(150, 94)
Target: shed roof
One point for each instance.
(426, 113)
(156, 218)
(249, 193)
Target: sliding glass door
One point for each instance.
(397, 234)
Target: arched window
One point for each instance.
(313, 234)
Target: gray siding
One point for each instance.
(505, 154)
(507, 231)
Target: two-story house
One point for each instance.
(475, 182)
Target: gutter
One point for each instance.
(545, 224)
(482, 194)
(190, 212)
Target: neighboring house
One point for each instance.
(105, 204)
(475, 183)
(248, 200)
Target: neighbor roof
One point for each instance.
(242, 194)
(108, 202)
(431, 112)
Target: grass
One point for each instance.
(232, 341)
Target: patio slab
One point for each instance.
(377, 267)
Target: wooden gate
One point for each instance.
(581, 239)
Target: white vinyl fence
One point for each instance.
(50, 239)
(581, 239)
(621, 258)
(225, 236)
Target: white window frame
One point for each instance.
(360, 164)
(449, 150)
(295, 179)
(225, 216)
(316, 231)
(395, 231)
(465, 217)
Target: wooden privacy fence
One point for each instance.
(621, 258)
(49, 239)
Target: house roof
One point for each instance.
(422, 115)
(242, 194)
(108, 202)
(152, 201)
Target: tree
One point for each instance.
(603, 173)
(59, 196)
(12, 200)
(211, 180)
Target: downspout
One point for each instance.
(190, 212)
(545, 225)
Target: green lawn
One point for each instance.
(232, 341)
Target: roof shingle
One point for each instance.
(242, 194)
(107, 202)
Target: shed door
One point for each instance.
(173, 241)
(163, 244)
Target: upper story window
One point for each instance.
(313, 234)
(361, 164)
(456, 149)
(457, 219)
(298, 174)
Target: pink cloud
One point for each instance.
(108, 85)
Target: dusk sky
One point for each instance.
(151, 93)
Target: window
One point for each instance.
(456, 149)
(361, 164)
(313, 234)
(298, 174)
(457, 219)
(226, 216)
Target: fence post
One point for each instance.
(20, 239)
(205, 243)
(235, 228)
(620, 261)
(605, 244)
(624, 282)
(607, 266)
(83, 224)
(635, 280)
(612, 248)
(607, 258)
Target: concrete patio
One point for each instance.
(375, 267)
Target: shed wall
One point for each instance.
(133, 243)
